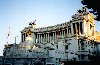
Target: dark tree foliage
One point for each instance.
(94, 6)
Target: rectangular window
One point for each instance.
(78, 44)
(82, 44)
(57, 46)
(66, 47)
(82, 56)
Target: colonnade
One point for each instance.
(48, 36)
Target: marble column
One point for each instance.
(41, 38)
(22, 37)
(33, 36)
(67, 32)
(48, 37)
(76, 27)
(60, 33)
(79, 29)
(53, 37)
(37, 38)
(44, 38)
(64, 33)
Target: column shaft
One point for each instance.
(33, 36)
(55, 35)
(46, 37)
(41, 38)
(37, 38)
(64, 33)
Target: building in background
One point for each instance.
(75, 40)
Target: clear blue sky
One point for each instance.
(18, 13)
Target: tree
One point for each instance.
(94, 7)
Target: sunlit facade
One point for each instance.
(75, 40)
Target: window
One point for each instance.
(66, 41)
(82, 45)
(89, 57)
(78, 44)
(57, 46)
(78, 56)
(74, 59)
(82, 56)
(66, 47)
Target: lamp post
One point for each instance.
(15, 39)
